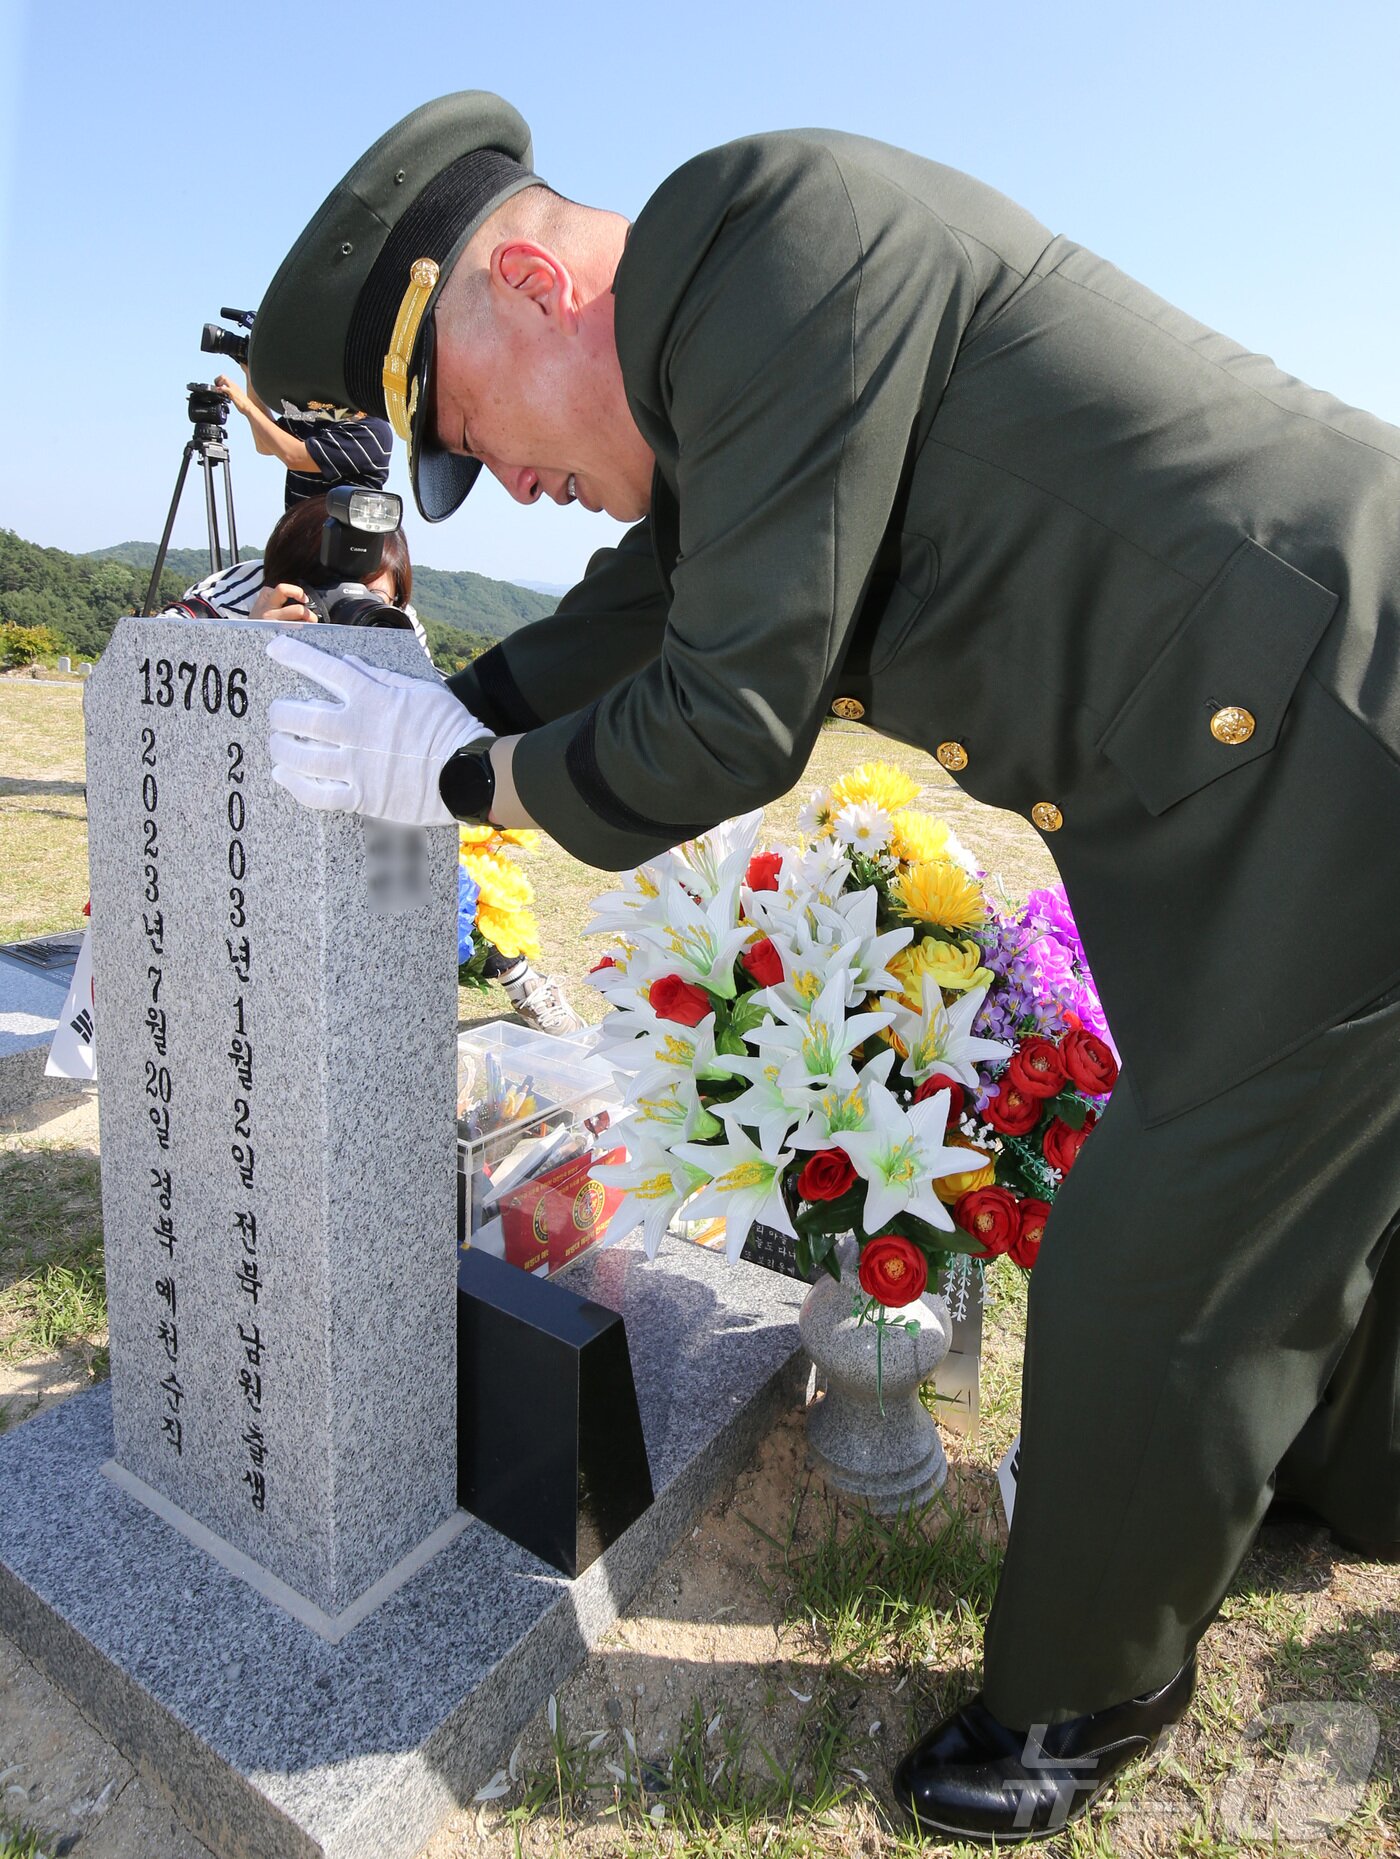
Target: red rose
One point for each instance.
(1013, 1112)
(1089, 1062)
(827, 1176)
(1036, 1068)
(762, 874)
(1061, 1144)
(941, 1082)
(1024, 1249)
(674, 999)
(762, 961)
(608, 961)
(892, 1270)
(991, 1216)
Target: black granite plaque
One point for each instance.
(776, 1251)
(550, 1449)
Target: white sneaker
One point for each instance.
(540, 1001)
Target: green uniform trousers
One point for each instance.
(1216, 1309)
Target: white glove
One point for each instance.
(379, 751)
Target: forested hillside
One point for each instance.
(79, 598)
(455, 597)
(72, 602)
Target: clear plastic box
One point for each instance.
(535, 1113)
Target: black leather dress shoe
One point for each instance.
(974, 1779)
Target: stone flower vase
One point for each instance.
(890, 1459)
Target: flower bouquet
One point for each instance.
(846, 1037)
(494, 899)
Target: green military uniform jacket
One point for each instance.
(917, 455)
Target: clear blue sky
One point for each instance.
(157, 159)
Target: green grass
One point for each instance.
(18, 1842)
(720, 1789)
(53, 1290)
(902, 1590)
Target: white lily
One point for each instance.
(656, 1183)
(766, 1106)
(699, 941)
(940, 1039)
(817, 875)
(900, 1155)
(844, 1105)
(636, 902)
(745, 1185)
(712, 861)
(672, 1108)
(851, 922)
(672, 1049)
(814, 1042)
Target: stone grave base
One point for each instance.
(273, 1744)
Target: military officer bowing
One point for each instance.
(894, 450)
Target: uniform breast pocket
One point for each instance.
(1215, 697)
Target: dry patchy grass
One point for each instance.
(43, 812)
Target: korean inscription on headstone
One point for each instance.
(278, 1135)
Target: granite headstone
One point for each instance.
(277, 992)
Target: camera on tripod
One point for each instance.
(208, 407)
(217, 341)
(352, 549)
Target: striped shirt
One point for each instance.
(345, 451)
(233, 591)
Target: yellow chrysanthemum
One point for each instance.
(941, 892)
(875, 783)
(917, 838)
(511, 931)
(475, 833)
(524, 836)
(500, 882)
(949, 1187)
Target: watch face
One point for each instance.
(467, 784)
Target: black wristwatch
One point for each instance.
(467, 784)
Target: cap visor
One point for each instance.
(441, 479)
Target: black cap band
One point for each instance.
(454, 200)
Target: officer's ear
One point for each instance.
(533, 279)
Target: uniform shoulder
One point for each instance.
(738, 198)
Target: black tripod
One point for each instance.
(208, 410)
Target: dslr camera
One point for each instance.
(217, 341)
(352, 548)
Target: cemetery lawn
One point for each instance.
(759, 1690)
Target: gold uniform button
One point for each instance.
(1232, 725)
(952, 755)
(851, 708)
(1047, 816)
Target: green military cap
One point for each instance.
(348, 319)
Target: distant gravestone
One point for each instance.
(278, 1026)
(65, 664)
(84, 667)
